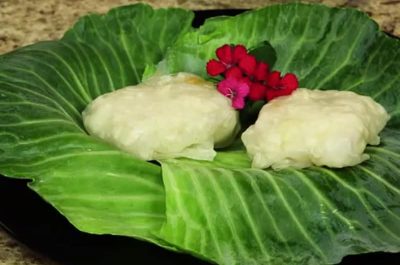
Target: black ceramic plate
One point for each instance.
(35, 223)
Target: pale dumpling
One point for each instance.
(312, 127)
(165, 117)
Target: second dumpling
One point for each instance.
(312, 127)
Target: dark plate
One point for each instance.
(35, 223)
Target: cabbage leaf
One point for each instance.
(222, 211)
(43, 90)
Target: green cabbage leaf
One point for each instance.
(222, 211)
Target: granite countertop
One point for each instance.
(27, 21)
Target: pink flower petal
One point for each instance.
(242, 90)
(224, 87)
(235, 89)
(247, 81)
(238, 102)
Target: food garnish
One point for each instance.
(243, 77)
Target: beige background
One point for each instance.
(24, 22)
(27, 21)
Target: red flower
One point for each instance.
(277, 86)
(215, 67)
(229, 56)
(257, 75)
(248, 64)
(261, 71)
(234, 72)
(273, 79)
(244, 76)
(257, 91)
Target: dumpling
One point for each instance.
(165, 117)
(312, 127)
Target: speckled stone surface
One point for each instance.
(13, 253)
(26, 21)
(23, 22)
